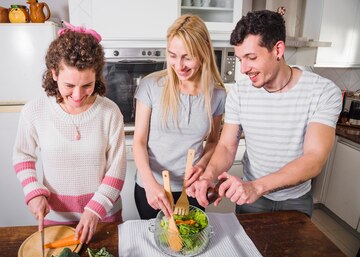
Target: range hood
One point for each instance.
(304, 42)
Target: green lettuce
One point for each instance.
(188, 233)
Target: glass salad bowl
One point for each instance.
(194, 232)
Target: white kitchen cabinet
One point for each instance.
(220, 16)
(125, 20)
(140, 20)
(129, 211)
(340, 24)
(14, 211)
(320, 183)
(343, 192)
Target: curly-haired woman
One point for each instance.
(79, 135)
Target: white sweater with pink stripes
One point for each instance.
(77, 174)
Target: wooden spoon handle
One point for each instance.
(167, 187)
(189, 160)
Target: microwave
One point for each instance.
(125, 67)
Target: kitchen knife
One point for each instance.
(42, 235)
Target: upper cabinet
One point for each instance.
(340, 24)
(134, 19)
(220, 16)
(125, 20)
(120, 20)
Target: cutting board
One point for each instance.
(31, 246)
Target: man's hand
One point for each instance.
(237, 190)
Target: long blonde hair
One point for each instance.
(193, 32)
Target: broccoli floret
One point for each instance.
(66, 252)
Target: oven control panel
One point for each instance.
(228, 75)
(135, 53)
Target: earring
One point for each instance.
(278, 59)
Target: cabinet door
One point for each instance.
(340, 25)
(343, 192)
(14, 211)
(134, 20)
(320, 183)
(129, 211)
(354, 50)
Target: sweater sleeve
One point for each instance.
(25, 157)
(109, 190)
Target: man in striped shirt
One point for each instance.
(288, 117)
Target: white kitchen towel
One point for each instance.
(230, 239)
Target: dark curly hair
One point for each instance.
(78, 50)
(268, 24)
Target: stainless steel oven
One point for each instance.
(124, 68)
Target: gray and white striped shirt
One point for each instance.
(274, 125)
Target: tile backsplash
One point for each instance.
(346, 78)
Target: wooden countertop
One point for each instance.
(286, 233)
(349, 132)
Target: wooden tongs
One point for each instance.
(174, 239)
(182, 205)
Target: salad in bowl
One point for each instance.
(194, 231)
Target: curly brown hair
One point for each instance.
(268, 24)
(78, 50)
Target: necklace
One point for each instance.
(291, 74)
(77, 135)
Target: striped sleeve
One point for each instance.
(329, 105)
(24, 158)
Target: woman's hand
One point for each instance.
(39, 207)
(87, 226)
(156, 197)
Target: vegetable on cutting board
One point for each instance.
(98, 253)
(66, 252)
(66, 241)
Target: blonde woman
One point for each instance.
(177, 109)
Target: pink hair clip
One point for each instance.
(71, 27)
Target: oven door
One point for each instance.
(122, 78)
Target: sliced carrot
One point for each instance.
(188, 222)
(66, 241)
